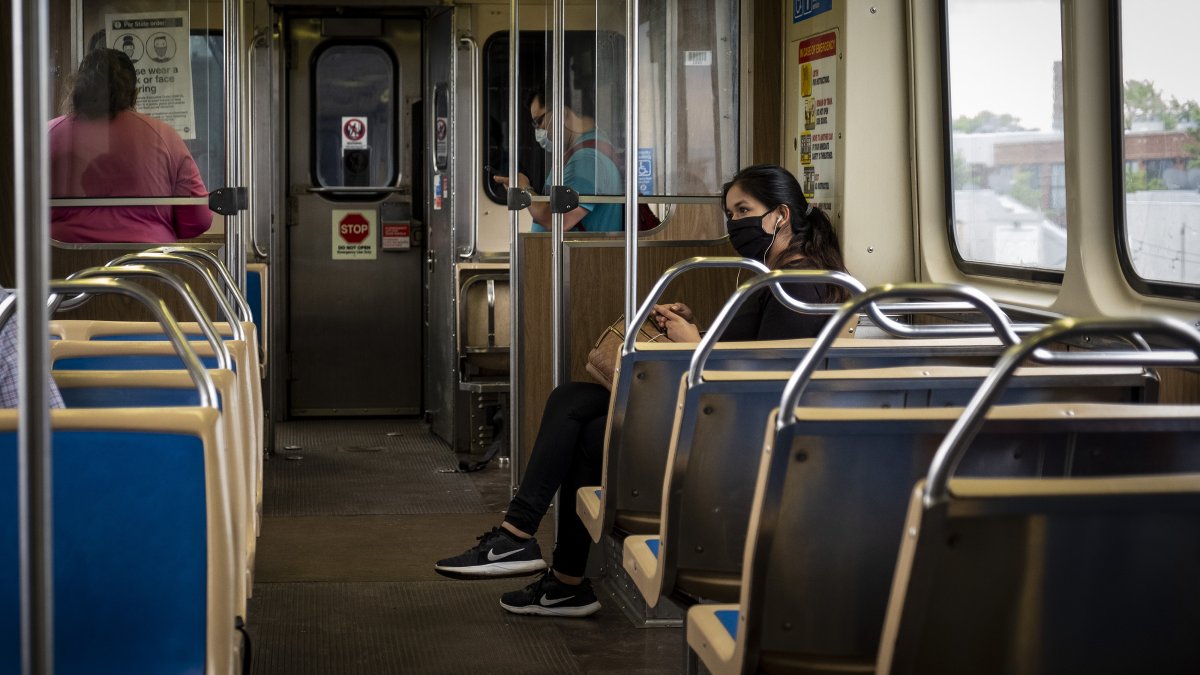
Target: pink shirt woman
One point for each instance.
(104, 148)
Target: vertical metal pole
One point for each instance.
(31, 217)
(557, 320)
(631, 145)
(235, 253)
(514, 259)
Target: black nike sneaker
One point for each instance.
(497, 554)
(550, 597)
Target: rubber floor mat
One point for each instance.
(363, 467)
(433, 628)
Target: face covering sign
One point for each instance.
(157, 43)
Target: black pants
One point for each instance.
(568, 454)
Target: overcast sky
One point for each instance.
(1002, 53)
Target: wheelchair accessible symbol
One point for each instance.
(645, 170)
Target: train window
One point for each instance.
(354, 115)
(1007, 192)
(1158, 181)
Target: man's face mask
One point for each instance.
(748, 238)
(542, 136)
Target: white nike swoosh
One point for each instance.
(547, 602)
(493, 556)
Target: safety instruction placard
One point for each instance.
(354, 132)
(818, 132)
(158, 45)
(397, 236)
(354, 234)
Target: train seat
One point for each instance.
(484, 321)
(1048, 576)
(143, 567)
(151, 331)
(172, 388)
(813, 597)
(155, 354)
(257, 298)
(645, 391)
(707, 486)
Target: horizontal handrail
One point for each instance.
(956, 442)
(220, 349)
(800, 377)
(191, 362)
(129, 201)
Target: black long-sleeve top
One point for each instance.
(763, 317)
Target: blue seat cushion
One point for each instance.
(653, 545)
(128, 362)
(131, 397)
(130, 552)
(728, 619)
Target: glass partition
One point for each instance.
(138, 111)
(687, 105)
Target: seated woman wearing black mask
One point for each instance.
(769, 220)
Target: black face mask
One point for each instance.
(747, 236)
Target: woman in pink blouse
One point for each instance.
(105, 148)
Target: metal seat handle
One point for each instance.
(960, 436)
(223, 272)
(660, 286)
(775, 279)
(191, 362)
(800, 377)
(220, 349)
(155, 256)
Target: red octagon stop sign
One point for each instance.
(354, 228)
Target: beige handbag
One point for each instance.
(602, 360)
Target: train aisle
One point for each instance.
(345, 580)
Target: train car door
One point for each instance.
(354, 252)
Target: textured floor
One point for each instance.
(344, 579)
(356, 467)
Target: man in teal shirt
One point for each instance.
(590, 169)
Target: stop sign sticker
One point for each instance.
(354, 235)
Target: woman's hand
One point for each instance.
(672, 322)
(681, 310)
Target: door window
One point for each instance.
(354, 91)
